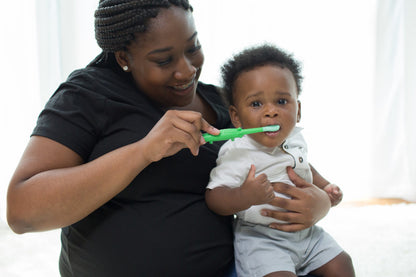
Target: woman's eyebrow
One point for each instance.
(160, 50)
(166, 49)
(193, 36)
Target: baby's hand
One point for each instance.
(257, 190)
(335, 193)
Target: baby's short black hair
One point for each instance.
(253, 57)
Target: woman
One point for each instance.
(107, 161)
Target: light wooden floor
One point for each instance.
(375, 201)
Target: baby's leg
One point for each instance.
(340, 266)
(281, 274)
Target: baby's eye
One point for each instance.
(282, 101)
(255, 104)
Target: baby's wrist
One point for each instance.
(335, 194)
(245, 198)
(327, 185)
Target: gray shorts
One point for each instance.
(260, 250)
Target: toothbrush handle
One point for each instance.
(230, 133)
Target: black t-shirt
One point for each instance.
(159, 225)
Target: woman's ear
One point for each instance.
(299, 112)
(234, 116)
(122, 60)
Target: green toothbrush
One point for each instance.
(232, 133)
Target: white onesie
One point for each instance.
(235, 158)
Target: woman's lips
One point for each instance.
(184, 86)
(184, 89)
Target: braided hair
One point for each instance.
(253, 57)
(118, 22)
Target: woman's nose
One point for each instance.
(185, 70)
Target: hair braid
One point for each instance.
(118, 21)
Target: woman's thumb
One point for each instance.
(298, 181)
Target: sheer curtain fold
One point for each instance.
(394, 105)
(44, 40)
(19, 84)
(65, 40)
(410, 91)
(49, 46)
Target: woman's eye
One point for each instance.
(194, 49)
(282, 101)
(255, 104)
(163, 62)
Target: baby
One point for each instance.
(262, 85)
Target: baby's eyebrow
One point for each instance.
(255, 95)
(285, 93)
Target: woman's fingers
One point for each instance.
(189, 125)
(205, 126)
(306, 205)
(296, 220)
(177, 130)
(294, 227)
(282, 202)
(288, 190)
(298, 181)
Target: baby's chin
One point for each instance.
(268, 142)
(271, 145)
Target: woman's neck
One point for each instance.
(199, 104)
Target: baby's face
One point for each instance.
(266, 95)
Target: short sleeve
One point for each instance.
(232, 167)
(73, 116)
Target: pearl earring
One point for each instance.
(125, 68)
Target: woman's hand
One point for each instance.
(174, 131)
(308, 204)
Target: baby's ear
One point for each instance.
(299, 115)
(234, 116)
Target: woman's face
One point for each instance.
(266, 95)
(166, 60)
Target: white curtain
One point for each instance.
(42, 42)
(358, 101)
(65, 32)
(19, 81)
(394, 101)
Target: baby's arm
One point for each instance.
(334, 192)
(254, 191)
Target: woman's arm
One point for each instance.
(308, 204)
(52, 187)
